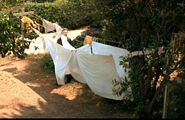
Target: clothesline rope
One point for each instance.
(135, 53)
(36, 16)
(101, 41)
(95, 39)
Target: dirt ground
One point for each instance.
(28, 92)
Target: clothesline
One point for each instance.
(100, 40)
(94, 38)
(105, 40)
(135, 53)
(78, 41)
(36, 16)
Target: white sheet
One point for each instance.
(65, 60)
(66, 44)
(102, 49)
(61, 57)
(49, 26)
(99, 71)
(74, 67)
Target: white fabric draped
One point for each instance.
(102, 49)
(96, 70)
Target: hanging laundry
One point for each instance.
(87, 40)
(49, 26)
(58, 31)
(36, 25)
(97, 70)
(92, 69)
(57, 28)
(27, 20)
(29, 23)
(103, 49)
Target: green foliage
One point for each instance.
(141, 25)
(134, 83)
(10, 36)
(41, 1)
(68, 14)
(47, 64)
(10, 3)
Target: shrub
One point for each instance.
(68, 14)
(141, 25)
(10, 41)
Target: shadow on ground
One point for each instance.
(73, 100)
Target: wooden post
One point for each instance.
(164, 104)
(165, 96)
(22, 26)
(21, 15)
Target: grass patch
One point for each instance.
(47, 64)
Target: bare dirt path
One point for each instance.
(28, 92)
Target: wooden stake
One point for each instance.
(165, 96)
(22, 26)
(164, 104)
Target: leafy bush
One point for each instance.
(40, 1)
(141, 25)
(68, 14)
(10, 33)
(10, 3)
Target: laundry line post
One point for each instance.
(164, 115)
(21, 14)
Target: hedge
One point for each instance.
(71, 16)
